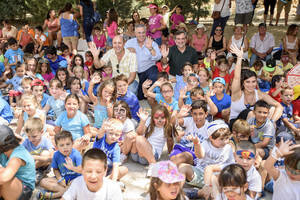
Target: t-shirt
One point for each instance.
(154, 22)
(100, 114)
(296, 107)
(243, 6)
(45, 144)
(277, 97)
(128, 126)
(180, 84)
(170, 106)
(59, 160)
(111, 29)
(100, 43)
(74, 125)
(176, 20)
(54, 65)
(286, 114)
(285, 188)
(42, 39)
(222, 104)
(133, 103)
(266, 130)
(5, 110)
(25, 173)
(110, 190)
(216, 73)
(16, 82)
(14, 56)
(112, 151)
(57, 105)
(254, 180)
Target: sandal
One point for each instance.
(41, 194)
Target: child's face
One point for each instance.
(218, 88)
(245, 161)
(203, 77)
(197, 97)
(20, 72)
(35, 137)
(88, 58)
(193, 81)
(55, 91)
(200, 62)
(93, 172)
(44, 68)
(113, 136)
(108, 70)
(14, 47)
(219, 142)
(285, 59)
(78, 73)
(72, 106)
(234, 192)
(167, 92)
(257, 67)
(107, 92)
(169, 190)
(120, 113)
(75, 86)
(223, 67)
(98, 32)
(78, 61)
(199, 115)
(162, 79)
(61, 76)
(159, 119)
(37, 32)
(261, 114)
(122, 87)
(187, 70)
(66, 52)
(31, 65)
(29, 107)
(64, 146)
(38, 91)
(293, 173)
(26, 88)
(287, 96)
(178, 11)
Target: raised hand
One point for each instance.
(148, 42)
(94, 50)
(143, 114)
(286, 148)
(235, 50)
(69, 163)
(147, 83)
(182, 92)
(164, 51)
(96, 79)
(184, 111)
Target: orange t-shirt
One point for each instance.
(25, 39)
(42, 38)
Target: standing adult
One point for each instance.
(244, 12)
(223, 6)
(269, 4)
(156, 24)
(52, 23)
(286, 4)
(179, 54)
(290, 42)
(147, 53)
(199, 39)
(262, 44)
(87, 9)
(240, 40)
(69, 28)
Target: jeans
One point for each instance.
(88, 28)
(158, 41)
(151, 74)
(254, 58)
(219, 22)
(133, 87)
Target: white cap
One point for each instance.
(200, 25)
(215, 125)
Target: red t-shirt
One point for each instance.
(277, 97)
(160, 68)
(216, 73)
(296, 107)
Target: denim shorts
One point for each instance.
(137, 158)
(198, 179)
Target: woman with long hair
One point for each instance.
(52, 23)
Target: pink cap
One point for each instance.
(167, 172)
(152, 6)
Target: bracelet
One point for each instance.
(61, 180)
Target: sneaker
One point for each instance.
(123, 158)
(191, 193)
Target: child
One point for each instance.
(26, 85)
(221, 99)
(264, 130)
(45, 70)
(17, 171)
(13, 55)
(74, 85)
(106, 72)
(66, 164)
(99, 38)
(277, 84)
(6, 114)
(76, 61)
(126, 95)
(166, 182)
(107, 140)
(66, 54)
(153, 133)
(285, 64)
(96, 186)
(102, 103)
(222, 71)
(62, 75)
(241, 131)
(38, 90)
(40, 39)
(184, 96)
(89, 61)
(112, 26)
(181, 81)
(177, 17)
(287, 181)
(195, 126)
(257, 67)
(74, 121)
(204, 77)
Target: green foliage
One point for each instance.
(123, 7)
(12, 9)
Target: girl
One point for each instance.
(277, 84)
(204, 77)
(45, 70)
(74, 121)
(103, 104)
(166, 182)
(89, 60)
(76, 61)
(106, 73)
(177, 17)
(31, 68)
(222, 71)
(99, 38)
(79, 73)
(74, 85)
(112, 26)
(152, 134)
(181, 81)
(156, 24)
(62, 75)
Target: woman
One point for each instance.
(129, 34)
(218, 41)
(135, 17)
(112, 26)
(87, 9)
(69, 28)
(239, 39)
(199, 39)
(52, 23)
(223, 6)
(244, 93)
(267, 4)
(156, 24)
(290, 42)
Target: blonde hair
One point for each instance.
(116, 124)
(33, 124)
(241, 126)
(31, 98)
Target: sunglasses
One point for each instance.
(118, 70)
(156, 115)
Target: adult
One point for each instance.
(223, 6)
(69, 28)
(199, 39)
(52, 24)
(129, 34)
(179, 54)
(87, 9)
(262, 44)
(240, 40)
(147, 53)
(287, 8)
(290, 42)
(244, 93)
(135, 17)
(244, 12)
(156, 23)
(269, 4)
(55, 61)
(218, 41)
(122, 61)
(8, 30)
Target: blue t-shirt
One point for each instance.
(16, 82)
(59, 160)
(180, 84)
(74, 125)
(112, 151)
(222, 104)
(14, 56)
(5, 110)
(45, 144)
(95, 89)
(57, 105)
(286, 114)
(100, 113)
(55, 65)
(170, 106)
(133, 103)
(25, 173)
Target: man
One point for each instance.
(179, 54)
(55, 61)
(147, 53)
(122, 60)
(262, 44)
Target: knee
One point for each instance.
(45, 153)
(139, 140)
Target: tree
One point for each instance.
(15, 9)
(123, 7)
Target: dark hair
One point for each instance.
(197, 90)
(245, 74)
(292, 160)
(232, 175)
(39, 28)
(144, 20)
(112, 16)
(179, 6)
(121, 77)
(87, 2)
(261, 103)
(51, 50)
(245, 64)
(199, 104)
(71, 80)
(48, 14)
(135, 11)
(72, 96)
(275, 79)
(258, 62)
(67, 7)
(63, 47)
(29, 48)
(10, 142)
(73, 61)
(291, 29)
(95, 154)
(179, 33)
(186, 64)
(89, 53)
(125, 105)
(11, 41)
(246, 145)
(62, 135)
(271, 62)
(63, 70)
(162, 75)
(18, 65)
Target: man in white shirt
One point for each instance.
(262, 44)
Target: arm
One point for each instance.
(20, 124)
(199, 151)
(278, 108)
(276, 92)
(263, 143)
(9, 172)
(246, 43)
(147, 92)
(143, 115)
(210, 41)
(229, 44)
(131, 77)
(289, 125)
(165, 53)
(212, 105)
(115, 171)
(236, 84)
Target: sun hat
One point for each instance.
(219, 80)
(270, 65)
(152, 5)
(296, 92)
(166, 171)
(200, 25)
(182, 25)
(215, 125)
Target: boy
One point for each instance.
(196, 125)
(161, 77)
(107, 140)
(93, 184)
(66, 164)
(40, 38)
(13, 55)
(26, 85)
(241, 132)
(264, 130)
(126, 95)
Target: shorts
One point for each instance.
(266, 150)
(136, 158)
(287, 6)
(177, 149)
(26, 192)
(198, 178)
(72, 39)
(244, 18)
(14, 93)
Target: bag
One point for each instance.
(216, 14)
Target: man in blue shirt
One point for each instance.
(55, 61)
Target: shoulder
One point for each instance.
(75, 153)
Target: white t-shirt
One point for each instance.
(78, 190)
(226, 10)
(128, 126)
(285, 188)
(254, 180)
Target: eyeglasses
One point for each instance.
(118, 70)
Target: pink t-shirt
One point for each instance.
(177, 19)
(154, 22)
(112, 29)
(199, 43)
(48, 77)
(101, 42)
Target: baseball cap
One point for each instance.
(270, 65)
(152, 6)
(166, 171)
(37, 82)
(215, 125)
(200, 25)
(219, 80)
(296, 92)
(7, 137)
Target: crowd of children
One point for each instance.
(231, 130)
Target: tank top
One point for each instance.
(52, 25)
(239, 105)
(199, 43)
(238, 43)
(290, 45)
(69, 27)
(217, 45)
